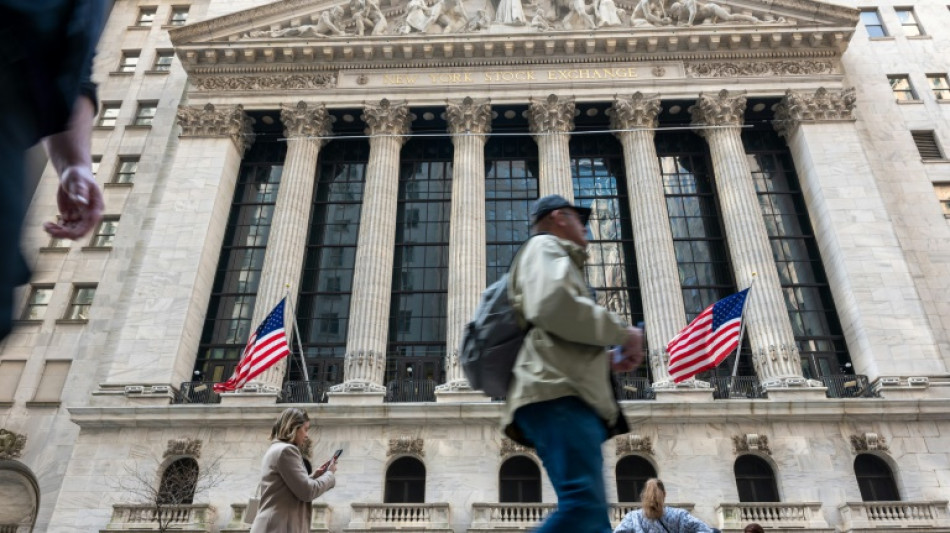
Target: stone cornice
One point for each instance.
(821, 106)
(468, 116)
(222, 121)
(636, 111)
(305, 120)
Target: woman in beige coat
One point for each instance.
(286, 489)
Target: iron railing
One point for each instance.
(848, 386)
(738, 387)
(197, 392)
(634, 389)
(410, 390)
(305, 392)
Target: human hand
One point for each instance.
(632, 351)
(80, 204)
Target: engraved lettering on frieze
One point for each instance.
(322, 80)
(11, 444)
(405, 444)
(759, 69)
(864, 442)
(511, 76)
(183, 446)
(627, 444)
(751, 442)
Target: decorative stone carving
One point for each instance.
(404, 444)
(636, 111)
(287, 82)
(718, 110)
(627, 444)
(731, 69)
(692, 12)
(551, 115)
(303, 120)
(327, 23)
(468, 116)
(387, 118)
(510, 12)
(865, 442)
(367, 15)
(649, 13)
(510, 447)
(183, 446)
(11, 444)
(223, 121)
(361, 367)
(798, 107)
(751, 442)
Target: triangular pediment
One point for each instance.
(362, 31)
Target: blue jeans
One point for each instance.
(568, 434)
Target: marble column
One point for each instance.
(177, 262)
(775, 356)
(860, 259)
(663, 309)
(469, 123)
(387, 124)
(551, 120)
(305, 127)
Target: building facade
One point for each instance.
(374, 163)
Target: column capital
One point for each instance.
(551, 115)
(387, 118)
(636, 111)
(220, 121)
(305, 120)
(721, 109)
(819, 106)
(468, 116)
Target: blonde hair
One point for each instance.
(287, 424)
(653, 498)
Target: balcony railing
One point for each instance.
(620, 510)
(410, 390)
(319, 521)
(736, 388)
(805, 515)
(889, 516)
(200, 517)
(634, 389)
(305, 392)
(402, 516)
(197, 392)
(509, 516)
(848, 386)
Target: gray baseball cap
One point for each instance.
(546, 204)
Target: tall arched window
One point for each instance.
(632, 474)
(405, 481)
(755, 480)
(875, 479)
(178, 482)
(519, 481)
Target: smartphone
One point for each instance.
(336, 454)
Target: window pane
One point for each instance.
(939, 86)
(145, 114)
(908, 22)
(872, 22)
(125, 171)
(80, 303)
(108, 115)
(105, 233)
(163, 61)
(37, 304)
(129, 61)
(146, 16)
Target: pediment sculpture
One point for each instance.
(367, 17)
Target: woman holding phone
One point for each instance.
(286, 489)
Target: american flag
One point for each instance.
(708, 339)
(265, 347)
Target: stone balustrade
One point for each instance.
(139, 517)
(778, 515)
(13, 528)
(619, 510)
(501, 517)
(406, 517)
(887, 516)
(319, 522)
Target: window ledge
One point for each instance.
(909, 102)
(68, 321)
(44, 403)
(97, 248)
(118, 185)
(172, 26)
(943, 161)
(103, 127)
(5, 404)
(55, 249)
(919, 37)
(122, 73)
(943, 101)
(154, 72)
(885, 38)
(138, 127)
(140, 28)
(27, 322)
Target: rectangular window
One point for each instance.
(179, 16)
(926, 142)
(10, 372)
(37, 304)
(130, 60)
(51, 384)
(96, 159)
(108, 115)
(126, 169)
(105, 233)
(909, 21)
(943, 195)
(939, 85)
(163, 60)
(872, 23)
(80, 303)
(903, 90)
(145, 113)
(146, 16)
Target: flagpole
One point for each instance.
(735, 367)
(303, 362)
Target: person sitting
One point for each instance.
(655, 517)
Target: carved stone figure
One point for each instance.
(511, 13)
(607, 14)
(540, 20)
(579, 16)
(450, 14)
(359, 10)
(418, 17)
(649, 13)
(481, 21)
(691, 12)
(327, 24)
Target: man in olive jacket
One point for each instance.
(560, 400)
